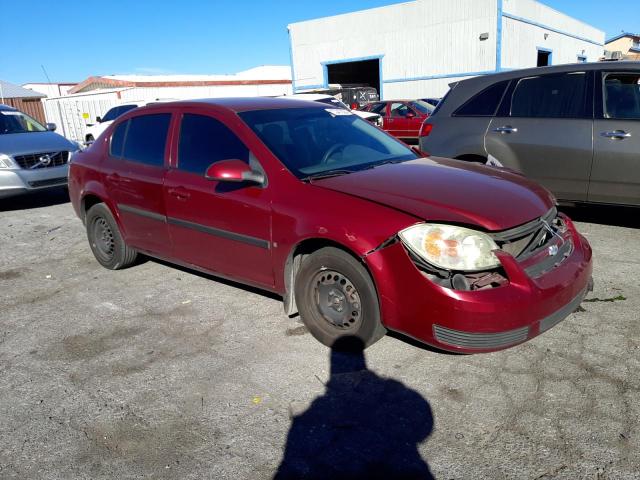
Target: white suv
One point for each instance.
(94, 131)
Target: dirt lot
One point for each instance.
(163, 373)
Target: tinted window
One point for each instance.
(399, 110)
(315, 140)
(485, 103)
(622, 96)
(422, 107)
(115, 112)
(146, 139)
(378, 108)
(117, 139)
(112, 114)
(551, 96)
(205, 140)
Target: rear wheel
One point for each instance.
(105, 239)
(336, 298)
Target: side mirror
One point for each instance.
(99, 119)
(51, 127)
(233, 171)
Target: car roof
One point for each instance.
(240, 104)
(567, 68)
(7, 108)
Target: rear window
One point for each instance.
(146, 139)
(551, 96)
(622, 96)
(485, 103)
(205, 140)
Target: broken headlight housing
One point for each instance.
(452, 248)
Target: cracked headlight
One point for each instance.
(451, 248)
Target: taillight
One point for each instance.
(355, 106)
(425, 129)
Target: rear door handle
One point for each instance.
(180, 193)
(506, 129)
(616, 134)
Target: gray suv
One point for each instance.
(573, 128)
(32, 157)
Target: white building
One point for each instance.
(416, 49)
(50, 89)
(85, 101)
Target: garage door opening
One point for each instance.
(364, 72)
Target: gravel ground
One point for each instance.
(159, 372)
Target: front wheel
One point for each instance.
(105, 239)
(337, 298)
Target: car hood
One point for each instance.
(34, 142)
(444, 190)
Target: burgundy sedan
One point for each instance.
(401, 118)
(358, 232)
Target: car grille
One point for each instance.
(35, 161)
(480, 341)
(525, 240)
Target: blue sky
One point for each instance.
(74, 39)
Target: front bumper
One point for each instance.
(481, 320)
(18, 181)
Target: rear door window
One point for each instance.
(146, 139)
(205, 140)
(117, 139)
(563, 95)
(399, 110)
(622, 96)
(378, 108)
(485, 103)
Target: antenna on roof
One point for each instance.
(46, 74)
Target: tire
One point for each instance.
(336, 298)
(105, 239)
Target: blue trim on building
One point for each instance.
(435, 77)
(301, 88)
(499, 38)
(293, 72)
(325, 73)
(549, 51)
(551, 29)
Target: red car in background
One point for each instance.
(401, 118)
(354, 229)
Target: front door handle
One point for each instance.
(180, 193)
(616, 134)
(506, 129)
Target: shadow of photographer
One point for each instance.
(363, 427)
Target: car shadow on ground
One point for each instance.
(614, 215)
(362, 427)
(44, 198)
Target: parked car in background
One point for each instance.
(93, 131)
(334, 102)
(354, 95)
(432, 101)
(401, 118)
(32, 157)
(573, 128)
(357, 231)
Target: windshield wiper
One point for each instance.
(387, 162)
(326, 174)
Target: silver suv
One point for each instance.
(32, 157)
(573, 128)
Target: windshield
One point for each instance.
(115, 112)
(316, 141)
(423, 107)
(17, 122)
